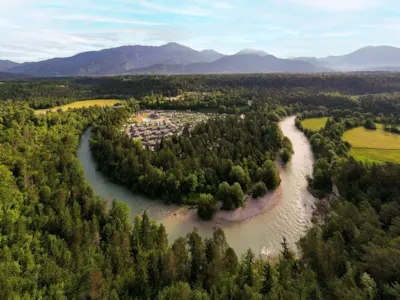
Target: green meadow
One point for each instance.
(80, 104)
(374, 145)
(314, 123)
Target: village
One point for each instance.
(150, 126)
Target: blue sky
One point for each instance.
(32, 30)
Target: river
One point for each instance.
(261, 225)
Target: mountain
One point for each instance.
(243, 63)
(368, 58)
(371, 58)
(315, 61)
(211, 55)
(6, 65)
(251, 51)
(174, 58)
(116, 60)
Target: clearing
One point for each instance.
(373, 145)
(80, 104)
(314, 123)
(151, 126)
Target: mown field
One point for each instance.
(314, 123)
(80, 104)
(373, 145)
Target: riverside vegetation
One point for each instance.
(218, 160)
(59, 241)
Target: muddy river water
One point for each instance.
(261, 225)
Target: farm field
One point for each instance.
(373, 145)
(314, 123)
(80, 104)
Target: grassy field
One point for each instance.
(80, 104)
(376, 155)
(373, 145)
(314, 123)
(378, 139)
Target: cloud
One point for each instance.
(101, 19)
(283, 30)
(338, 34)
(195, 11)
(223, 5)
(388, 24)
(338, 5)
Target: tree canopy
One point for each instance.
(60, 241)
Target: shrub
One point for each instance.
(259, 190)
(206, 206)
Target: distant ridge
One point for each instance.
(174, 58)
(4, 76)
(370, 58)
(116, 60)
(243, 63)
(7, 64)
(252, 51)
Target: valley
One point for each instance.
(250, 200)
(199, 150)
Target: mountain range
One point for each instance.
(174, 58)
(6, 65)
(379, 58)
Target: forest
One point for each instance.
(334, 90)
(60, 241)
(220, 160)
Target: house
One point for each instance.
(154, 116)
(152, 143)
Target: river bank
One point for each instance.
(261, 225)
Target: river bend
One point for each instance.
(261, 225)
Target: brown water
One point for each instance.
(261, 225)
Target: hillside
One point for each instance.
(116, 60)
(11, 76)
(7, 64)
(238, 63)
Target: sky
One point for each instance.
(32, 30)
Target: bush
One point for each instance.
(369, 124)
(285, 155)
(259, 190)
(269, 174)
(272, 116)
(222, 109)
(206, 206)
(231, 196)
